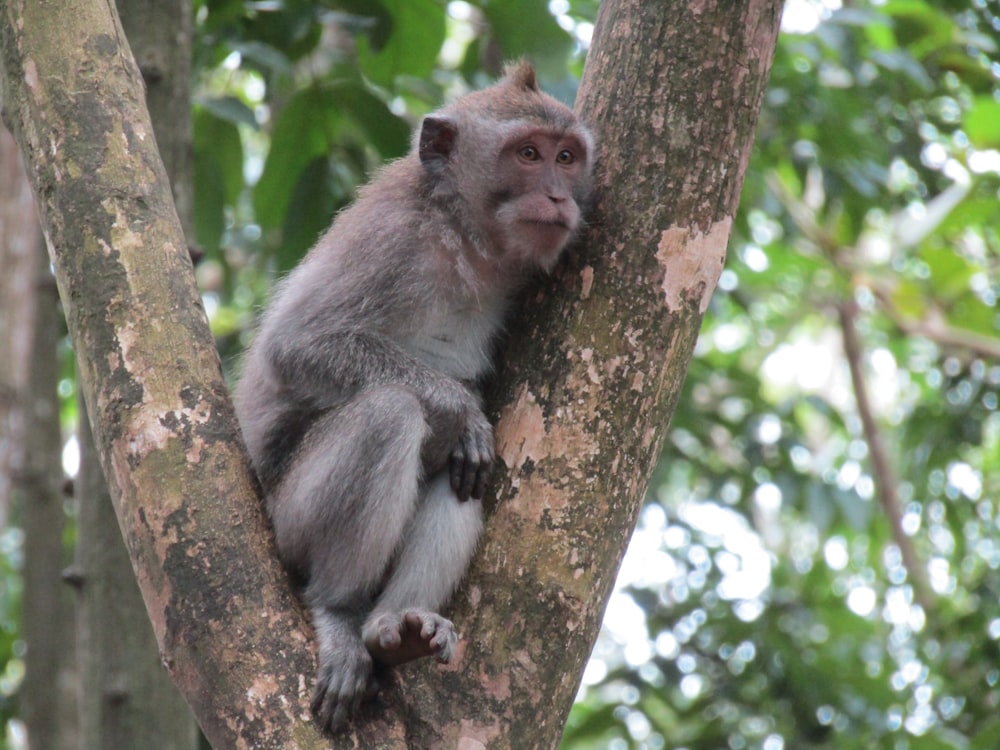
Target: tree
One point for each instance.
(626, 316)
(31, 427)
(126, 698)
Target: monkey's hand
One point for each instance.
(394, 638)
(460, 436)
(471, 460)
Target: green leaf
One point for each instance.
(950, 273)
(986, 737)
(304, 130)
(219, 14)
(525, 28)
(230, 109)
(970, 314)
(902, 61)
(910, 299)
(312, 205)
(266, 56)
(209, 206)
(389, 134)
(978, 209)
(920, 27)
(412, 45)
(982, 123)
(277, 32)
(219, 140)
(861, 17)
(218, 175)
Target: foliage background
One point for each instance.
(768, 600)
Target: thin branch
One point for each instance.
(886, 482)
(933, 326)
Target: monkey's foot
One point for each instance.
(343, 682)
(394, 638)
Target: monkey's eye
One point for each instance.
(529, 153)
(565, 157)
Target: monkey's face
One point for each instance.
(515, 165)
(540, 178)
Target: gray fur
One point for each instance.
(359, 398)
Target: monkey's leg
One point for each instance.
(436, 551)
(339, 514)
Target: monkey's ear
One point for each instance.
(437, 139)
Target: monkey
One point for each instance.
(360, 399)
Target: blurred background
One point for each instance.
(818, 561)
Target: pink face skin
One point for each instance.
(539, 175)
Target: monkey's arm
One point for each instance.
(322, 368)
(325, 370)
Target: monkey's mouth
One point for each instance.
(549, 223)
(546, 237)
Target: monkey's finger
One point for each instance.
(484, 467)
(462, 472)
(468, 480)
(390, 635)
(456, 472)
(445, 642)
(428, 628)
(331, 712)
(482, 476)
(455, 461)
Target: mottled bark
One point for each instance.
(160, 34)
(126, 696)
(595, 366)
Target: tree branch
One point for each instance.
(934, 327)
(884, 476)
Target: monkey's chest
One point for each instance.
(457, 343)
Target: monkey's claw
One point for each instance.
(394, 638)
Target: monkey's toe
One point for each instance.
(397, 638)
(436, 631)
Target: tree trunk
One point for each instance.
(19, 238)
(160, 35)
(673, 90)
(126, 696)
(47, 622)
(36, 476)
